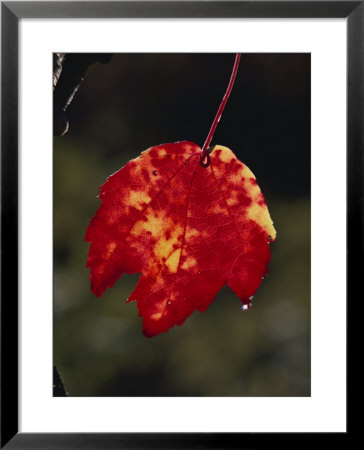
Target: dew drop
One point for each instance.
(251, 298)
(199, 272)
(269, 239)
(246, 307)
(155, 172)
(188, 161)
(169, 302)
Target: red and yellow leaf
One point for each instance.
(188, 229)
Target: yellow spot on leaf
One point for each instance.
(217, 209)
(225, 155)
(138, 199)
(162, 152)
(110, 249)
(156, 316)
(165, 246)
(154, 223)
(189, 262)
(260, 215)
(173, 260)
(233, 199)
(245, 172)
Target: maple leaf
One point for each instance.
(187, 228)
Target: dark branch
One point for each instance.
(59, 389)
(69, 70)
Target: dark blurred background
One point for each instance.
(140, 100)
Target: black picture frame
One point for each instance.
(11, 13)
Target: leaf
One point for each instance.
(188, 229)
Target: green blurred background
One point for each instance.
(140, 100)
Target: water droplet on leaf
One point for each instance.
(155, 172)
(169, 302)
(246, 307)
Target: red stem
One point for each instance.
(221, 107)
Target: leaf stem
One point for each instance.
(206, 145)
